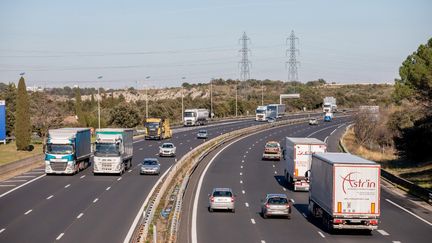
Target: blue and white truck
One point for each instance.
(328, 117)
(67, 150)
(276, 110)
(113, 150)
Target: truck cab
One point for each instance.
(157, 128)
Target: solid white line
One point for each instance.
(322, 235)
(82, 176)
(130, 170)
(94, 201)
(243, 191)
(28, 212)
(253, 221)
(2, 230)
(80, 215)
(304, 215)
(48, 198)
(247, 205)
(333, 132)
(119, 178)
(60, 236)
(383, 232)
(4, 194)
(406, 210)
(68, 185)
(14, 181)
(325, 140)
(194, 237)
(141, 211)
(317, 131)
(108, 188)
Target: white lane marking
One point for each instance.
(241, 182)
(244, 156)
(150, 145)
(263, 241)
(322, 235)
(28, 212)
(406, 210)
(94, 201)
(273, 166)
(341, 125)
(247, 151)
(8, 185)
(68, 185)
(383, 232)
(24, 176)
(396, 241)
(241, 173)
(60, 236)
(108, 188)
(243, 191)
(253, 221)
(325, 140)
(283, 188)
(242, 161)
(181, 143)
(48, 198)
(140, 149)
(317, 131)
(247, 205)
(82, 176)
(2, 230)
(241, 166)
(130, 170)
(194, 237)
(304, 215)
(275, 172)
(333, 132)
(14, 181)
(80, 215)
(119, 178)
(141, 211)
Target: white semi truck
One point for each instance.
(298, 157)
(329, 104)
(113, 150)
(262, 113)
(195, 117)
(344, 191)
(67, 150)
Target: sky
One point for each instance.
(58, 42)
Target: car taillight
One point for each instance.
(337, 221)
(287, 206)
(211, 199)
(373, 222)
(267, 205)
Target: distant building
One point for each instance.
(35, 89)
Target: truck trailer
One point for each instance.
(195, 117)
(344, 191)
(276, 110)
(67, 150)
(157, 128)
(298, 157)
(113, 150)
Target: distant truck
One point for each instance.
(113, 151)
(298, 157)
(328, 117)
(344, 191)
(262, 113)
(329, 104)
(195, 117)
(157, 128)
(67, 150)
(276, 110)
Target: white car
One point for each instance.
(167, 149)
(313, 121)
(222, 198)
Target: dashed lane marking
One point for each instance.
(275, 172)
(263, 241)
(108, 188)
(253, 221)
(82, 176)
(395, 241)
(383, 232)
(119, 178)
(241, 182)
(60, 236)
(283, 188)
(241, 173)
(247, 205)
(48, 198)
(2, 230)
(321, 234)
(140, 149)
(68, 185)
(80, 215)
(28, 212)
(129, 170)
(273, 166)
(243, 191)
(241, 166)
(94, 201)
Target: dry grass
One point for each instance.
(8, 152)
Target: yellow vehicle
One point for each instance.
(157, 128)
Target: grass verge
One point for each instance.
(9, 153)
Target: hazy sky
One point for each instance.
(61, 43)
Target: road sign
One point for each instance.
(288, 96)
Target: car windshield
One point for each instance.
(167, 145)
(189, 114)
(222, 194)
(149, 162)
(107, 149)
(153, 125)
(272, 145)
(277, 200)
(202, 131)
(59, 148)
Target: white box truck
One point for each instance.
(298, 157)
(195, 117)
(67, 150)
(329, 104)
(344, 191)
(113, 150)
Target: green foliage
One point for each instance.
(78, 108)
(125, 116)
(45, 113)
(22, 116)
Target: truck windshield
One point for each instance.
(107, 149)
(260, 111)
(59, 149)
(153, 125)
(189, 114)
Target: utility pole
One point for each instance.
(211, 98)
(292, 61)
(99, 97)
(244, 63)
(262, 93)
(182, 104)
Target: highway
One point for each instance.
(84, 207)
(239, 166)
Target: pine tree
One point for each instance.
(78, 108)
(22, 117)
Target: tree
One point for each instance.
(124, 115)
(22, 117)
(78, 108)
(45, 113)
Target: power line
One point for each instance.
(292, 61)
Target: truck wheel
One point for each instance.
(210, 209)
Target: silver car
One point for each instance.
(202, 134)
(150, 166)
(222, 198)
(167, 149)
(276, 205)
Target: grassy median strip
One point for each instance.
(9, 153)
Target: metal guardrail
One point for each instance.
(405, 185)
